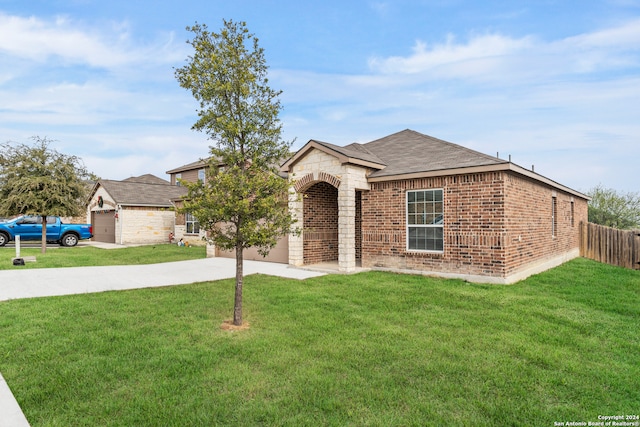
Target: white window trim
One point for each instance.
(407, 225)
(193, 221)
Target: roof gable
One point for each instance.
(133, 193)
(353, 153)
(148, 179)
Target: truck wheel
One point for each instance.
(3, 239)
(69, 240)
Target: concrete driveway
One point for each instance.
(43, 282)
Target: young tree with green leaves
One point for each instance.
(38, 180)
(614, 209)
(243, 201)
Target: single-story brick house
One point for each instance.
(409, 202)
(137, 210)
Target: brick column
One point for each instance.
(296, 244)
(211, 250)
(346, 225)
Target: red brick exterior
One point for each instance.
(495, 224)
(358, 226)
(320, 229)
(529, 211)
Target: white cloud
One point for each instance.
(62, 39)
(380, 7)
(481, 54)
(626, 36)
(149, 153)
(496, 57)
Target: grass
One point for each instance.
(374, 349)
(89, 256)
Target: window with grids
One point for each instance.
(193, 226)
(425, 219)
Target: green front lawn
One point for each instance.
(369, 349)
(83, 256)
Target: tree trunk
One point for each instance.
(43, 247)
(237, 307)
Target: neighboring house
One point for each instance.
(191, 172)
(187, 226)
(412, 203)
(137, 210)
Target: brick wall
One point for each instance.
(320, 228)
(531, 235)
(358, 222)
(495, 223)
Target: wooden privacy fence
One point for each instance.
(610, 245)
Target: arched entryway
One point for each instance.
(328, 209)
(320, 223)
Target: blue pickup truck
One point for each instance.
(30, 228)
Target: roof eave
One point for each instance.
(154, 205)
(200, 164)
(479, 169)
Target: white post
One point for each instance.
(17, 246)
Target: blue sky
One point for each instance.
(555, 84)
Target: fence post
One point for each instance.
(581, 239)
(633, 250)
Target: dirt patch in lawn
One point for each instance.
(228, 325)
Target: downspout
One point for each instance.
(119, 218)
(174, 219)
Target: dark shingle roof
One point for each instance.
(198, 164)
(402, 153)
(409, 151)
(147, 190)
(148, 179)
(410, 154)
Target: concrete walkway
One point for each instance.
(43, 282)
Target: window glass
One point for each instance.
(425, 219)
(192, 224)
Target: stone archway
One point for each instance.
(320, 223)
(336, 191)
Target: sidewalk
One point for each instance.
(43, 282)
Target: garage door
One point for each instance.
(279, 253)
(104, 226)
